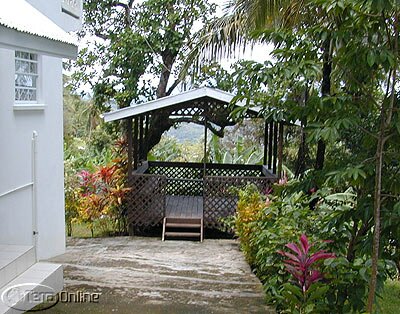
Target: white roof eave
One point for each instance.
(15, 40)
(24, 27)
(191, 95)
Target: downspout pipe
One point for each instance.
(35, 232)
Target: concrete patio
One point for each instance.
(145, 275)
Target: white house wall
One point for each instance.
(16, 127)
(52, 9)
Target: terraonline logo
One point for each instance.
(27, 296)
(36, 297)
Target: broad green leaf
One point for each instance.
(398, 125)
(293, 289)
(310, 308)
(370, 58)
(396, 208)
(290, 297)
(363, 274)
(318, 293)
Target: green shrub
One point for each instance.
(250, 209)
(266, 223)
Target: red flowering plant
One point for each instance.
(101, 196)
(306, 295)
(106, 174)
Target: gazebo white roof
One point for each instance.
(191, 95)
(24, 27)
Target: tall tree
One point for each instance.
(389, 14)
(131, 44)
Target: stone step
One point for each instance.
(182, 234)
(183, 220)
(182, 225)
(180, 228)
(14, 260)
(39, 278)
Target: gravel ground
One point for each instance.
(146, 275)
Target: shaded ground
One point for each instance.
(145, 275)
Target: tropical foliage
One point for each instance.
(96, 197)
(101, 197)
(333, 73)
(266, 222)
(304, 295)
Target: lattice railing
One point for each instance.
(146, 200)
(182, 179)
(187, 178)
(220, 198)
(187, 187)
(146, 206)
(176, 170)
(234, 172)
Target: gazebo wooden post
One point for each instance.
(135, 143)
(275, 147)
(270, 142)
(265, 143)
(280, 149)
(146, 135)
(141, 134)
(130, 147)
(205, 147)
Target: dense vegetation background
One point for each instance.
(333, 71)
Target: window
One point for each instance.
(72, 7)
(26, 77)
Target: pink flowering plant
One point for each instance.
(88, 182)
(307, 291)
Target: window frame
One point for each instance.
(37, 75)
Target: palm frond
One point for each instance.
(291, 13)
(224, 36)
(262, 13)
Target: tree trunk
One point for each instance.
(325, 91)
(377, 212)
(320, 158)
(159, 123)
(69, 229)
(300, 166)
(385, 120)
(302, 153)
(168, 60)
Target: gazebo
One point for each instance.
(185, 197)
